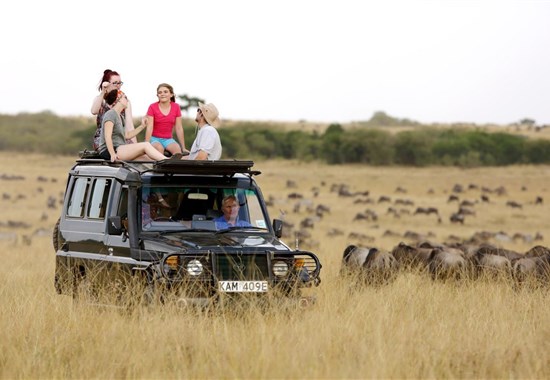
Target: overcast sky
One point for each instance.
(321, 60)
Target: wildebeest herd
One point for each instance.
(478, 256)
(444, 262)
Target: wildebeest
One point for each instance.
(492, 263)
(457, 218)
(513, 204)
(537, 251)
(409, 256)
(447, 263)
(532, 270)
(371, 265)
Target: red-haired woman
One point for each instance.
(109, 81)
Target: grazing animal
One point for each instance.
(537, 251)
(513, 204)
(488, 249)
(452, 198)
(373, 266)
(411, 257)
(447, 263)
(491, 265)
(534, 270)
(457, 218)
(426, 210)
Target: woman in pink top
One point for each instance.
(162, 117)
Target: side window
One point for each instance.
(78, 198)
(123, 204)
(100, 196)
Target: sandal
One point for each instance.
(176, 156)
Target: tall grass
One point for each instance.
(411, 328)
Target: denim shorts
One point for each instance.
(105, 154)
(163, 142)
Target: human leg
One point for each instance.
(158, 146)
(173, 148)
(133, 151)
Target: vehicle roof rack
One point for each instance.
(171, 166)
(219, 167)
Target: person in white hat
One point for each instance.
(207, 144)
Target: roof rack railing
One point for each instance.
(218, 167)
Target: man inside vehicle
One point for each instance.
(230, 217)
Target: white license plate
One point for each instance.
(242, 286)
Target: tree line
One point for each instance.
(421, 146)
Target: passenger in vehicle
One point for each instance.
(113, 138)
(109, 81)
(207, 144)
(230, 217)
(162, 118)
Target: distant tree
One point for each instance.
(332, 144)
(382, 119)
(188, 102)
(527, 121)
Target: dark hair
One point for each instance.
(111, 96)
(107, 74)
(170, 88)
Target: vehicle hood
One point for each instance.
(201, 241)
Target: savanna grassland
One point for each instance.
(411, 328)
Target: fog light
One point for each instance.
(172, 262)
(299, 263)
(194, 267)
(280, 268)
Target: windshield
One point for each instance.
(177, 208)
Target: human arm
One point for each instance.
(129, 134)
(149, 132)
(108, 131)
(130, 121)
(180, 134)
(201, 155)
(98, 100)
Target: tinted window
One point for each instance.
(78, 198)
(99, 198)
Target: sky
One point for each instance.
(285, 60)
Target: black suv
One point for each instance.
(160, 224)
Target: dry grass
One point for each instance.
(412, 328)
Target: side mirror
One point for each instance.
(114, 225)
(278, 227)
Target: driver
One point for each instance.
(230, 217)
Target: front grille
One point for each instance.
(240, 266)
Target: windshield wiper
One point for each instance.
(240, 228)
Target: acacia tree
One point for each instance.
(187, 102)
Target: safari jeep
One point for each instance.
(157, 224)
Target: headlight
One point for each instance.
(280, 268)
(194, 267)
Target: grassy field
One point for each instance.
(411, 328)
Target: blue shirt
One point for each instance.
(221, 223)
